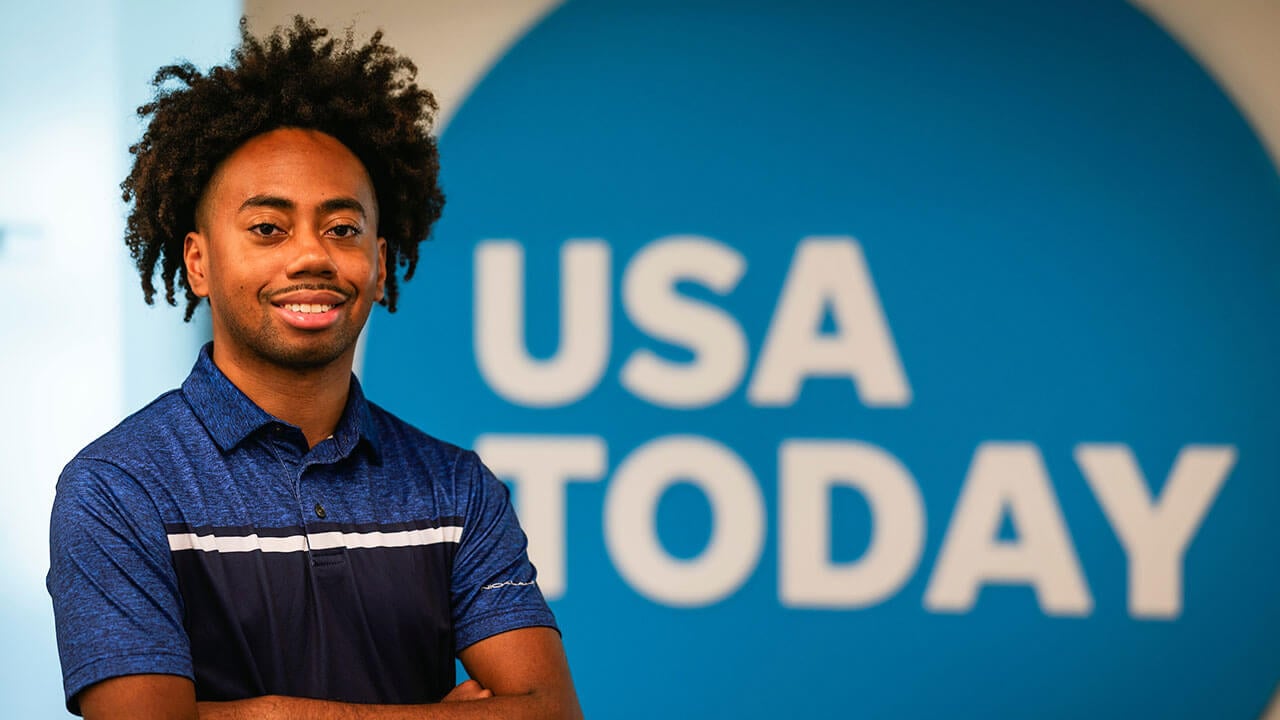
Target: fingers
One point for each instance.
(467, 690)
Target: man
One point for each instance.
(263, 542)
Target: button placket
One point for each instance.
(313, 503)
(310, 460)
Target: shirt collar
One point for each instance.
(230, 416)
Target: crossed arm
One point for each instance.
(517, 674)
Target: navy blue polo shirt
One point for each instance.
(201, 537)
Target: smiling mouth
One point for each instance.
(307, 308)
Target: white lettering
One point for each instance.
(1008, 476)
(829, 271)
(1155, 535)
(807, 472)
(738, 521)
(585, 306)
(714, 336)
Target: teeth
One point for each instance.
(308, 308)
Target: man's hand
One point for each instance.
(467, 690)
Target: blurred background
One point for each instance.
(866, 359)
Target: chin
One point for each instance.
(306, 358)
(309, 353)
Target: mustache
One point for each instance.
(327, 287)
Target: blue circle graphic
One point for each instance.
(1072, 235)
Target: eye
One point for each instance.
(344, 231)
(265, 229)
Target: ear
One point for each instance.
(382, 270)
(195, 254)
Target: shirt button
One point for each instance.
(320, 513)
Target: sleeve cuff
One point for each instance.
(99, 669)
(501, 621)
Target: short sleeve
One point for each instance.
(494, 585)
(116, 604)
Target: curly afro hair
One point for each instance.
(364, 96)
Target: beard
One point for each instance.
(270, 345)
(291, 349)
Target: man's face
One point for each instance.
(287, 251)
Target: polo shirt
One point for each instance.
(202, 537)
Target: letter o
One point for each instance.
(737, 521)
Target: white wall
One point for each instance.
(79, 349)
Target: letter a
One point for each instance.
(829, 271)
(1012, 477)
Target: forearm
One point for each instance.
(514, 707)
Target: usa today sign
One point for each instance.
(827, 275)
(887, 360)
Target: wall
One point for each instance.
(80, 349)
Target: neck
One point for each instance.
(311, 398)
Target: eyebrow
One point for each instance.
(279, 203)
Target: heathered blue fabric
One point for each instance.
(361, 624)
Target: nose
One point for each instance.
(311, 255)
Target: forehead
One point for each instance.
(306, 167)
